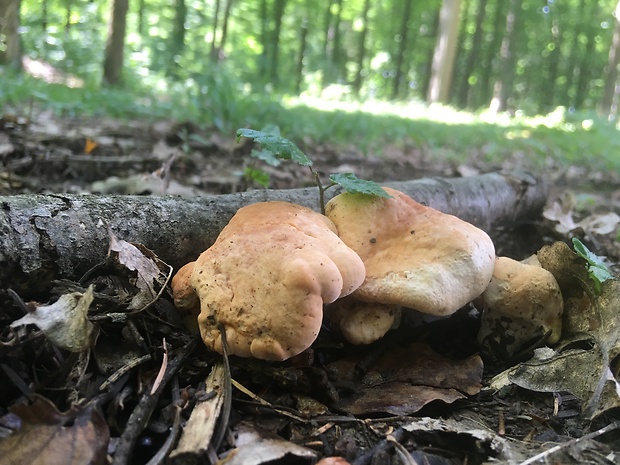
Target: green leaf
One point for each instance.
(279, 146)
(351, 183)
(266, 156)
(257, 176)
(597, 270)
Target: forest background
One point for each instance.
(499, 76)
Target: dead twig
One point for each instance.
(142, 413)
(572, 442)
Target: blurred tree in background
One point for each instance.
(528, 55)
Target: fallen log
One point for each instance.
(47, 237)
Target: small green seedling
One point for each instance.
(275, 147)
(597, 270)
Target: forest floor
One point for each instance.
(300, 410)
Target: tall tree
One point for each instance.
(402, 45)
(571, 69)
(214, 54)
(611, 84)
(177, 38)
(303, 41)
(115, 45)
(552, 64)
(217, 47)
(263, 59)
(336, 57)
(472, 57)
(361, 49)
(278, 14)
(502, 89)
(489, 61)
(141, 12)
(10, 51)
(445, 49)
(225, 24)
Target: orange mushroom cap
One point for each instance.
(415, 256)
(266, 277)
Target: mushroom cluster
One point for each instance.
(276, 266)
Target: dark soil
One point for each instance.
(301, 400)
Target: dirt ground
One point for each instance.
(418, 396)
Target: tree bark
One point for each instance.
(611, 70)
(114, 50)
(552, 63)
(177, 38)
(361, 50)
(214, 54)
(46, 237)
(225, 24)
(488, 62)
(402, 47)
(303, 42)
(503, 86)
(473, 57)
(10, 50)
(443, 57)
(278, 14)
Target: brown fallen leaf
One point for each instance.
(256, 447)
(405, 379)
(49, 437)
(150, 279)
(65, 322)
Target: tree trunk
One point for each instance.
(549, 90)
(115, 45)
(278, 14)
(571, 70)
(214, 54)
(328, 32)
(303, 36)
(44, 15)
(473, 57)
(263, 59)
(610, 88)
(445, 48)
(428, 65)
(585, 74)
(402, 46)
(177, 38)
(336, 57)
(46, 237)
(10, 50)
(141, 12)
(361, 49)
(502, 90)
(488, 61)
(225, 23)
(69, 4)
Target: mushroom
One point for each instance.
(362, 322)
(265, 279)
(415, 256)
(522, 302)
(185, 298)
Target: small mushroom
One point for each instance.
(523, 302)
(362, 322)
(415, 256)
(265, 280)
